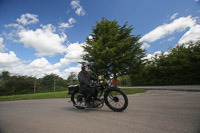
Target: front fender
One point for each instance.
(114, 88)
(111, 89)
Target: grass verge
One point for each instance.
(62, 94)
(133, 91)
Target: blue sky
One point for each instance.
(39, 37)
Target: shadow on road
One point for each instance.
(86, 110)
(1, 131)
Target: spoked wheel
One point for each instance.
(116, 100)
(78, 100)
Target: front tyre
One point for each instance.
(116, 100)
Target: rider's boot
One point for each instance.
(87, 102)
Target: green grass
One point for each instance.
(62, 94)
(133, 91)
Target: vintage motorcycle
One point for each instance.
(113, 97)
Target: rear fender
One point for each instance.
(72, 89)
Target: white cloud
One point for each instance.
(72, 20)
(8, 59)
(171, 39)
(18, 26)
(70, 23)
(37, 68)
(156, 53)
(178, 25)
(74, 52)
(75, 69)
(64, 25)
(44, 40)
(166, 52)
(79, 9)
(90, 37)
(192, 35)
(148, 57)
(173, 16)
(2, 46)
(10, 62)
(40, 67)
(47, 42)
(25, 19)
(196, 0)
(63, 62)
(145, 46)
(28, 18)
(40, 63)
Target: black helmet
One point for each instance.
(84, 65)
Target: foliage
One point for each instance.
(180, 66)
(124, 80)
(72, 79)
(4, 75)
(112, 49)
(51, 82)
(14, 85)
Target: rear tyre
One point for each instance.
(78, 100)
(116, 100)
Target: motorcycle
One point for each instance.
(113, 97)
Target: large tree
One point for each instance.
(111, 49)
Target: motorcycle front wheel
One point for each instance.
(116, 100)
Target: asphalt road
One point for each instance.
(151, 112)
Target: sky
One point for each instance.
(39, 37)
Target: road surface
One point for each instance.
(151, 112)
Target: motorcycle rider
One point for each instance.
(84, 80)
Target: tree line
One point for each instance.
(17, 84)
(179, 67)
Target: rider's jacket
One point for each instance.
(84, 79)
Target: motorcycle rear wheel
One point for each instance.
(116, 100)
(78, 100)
